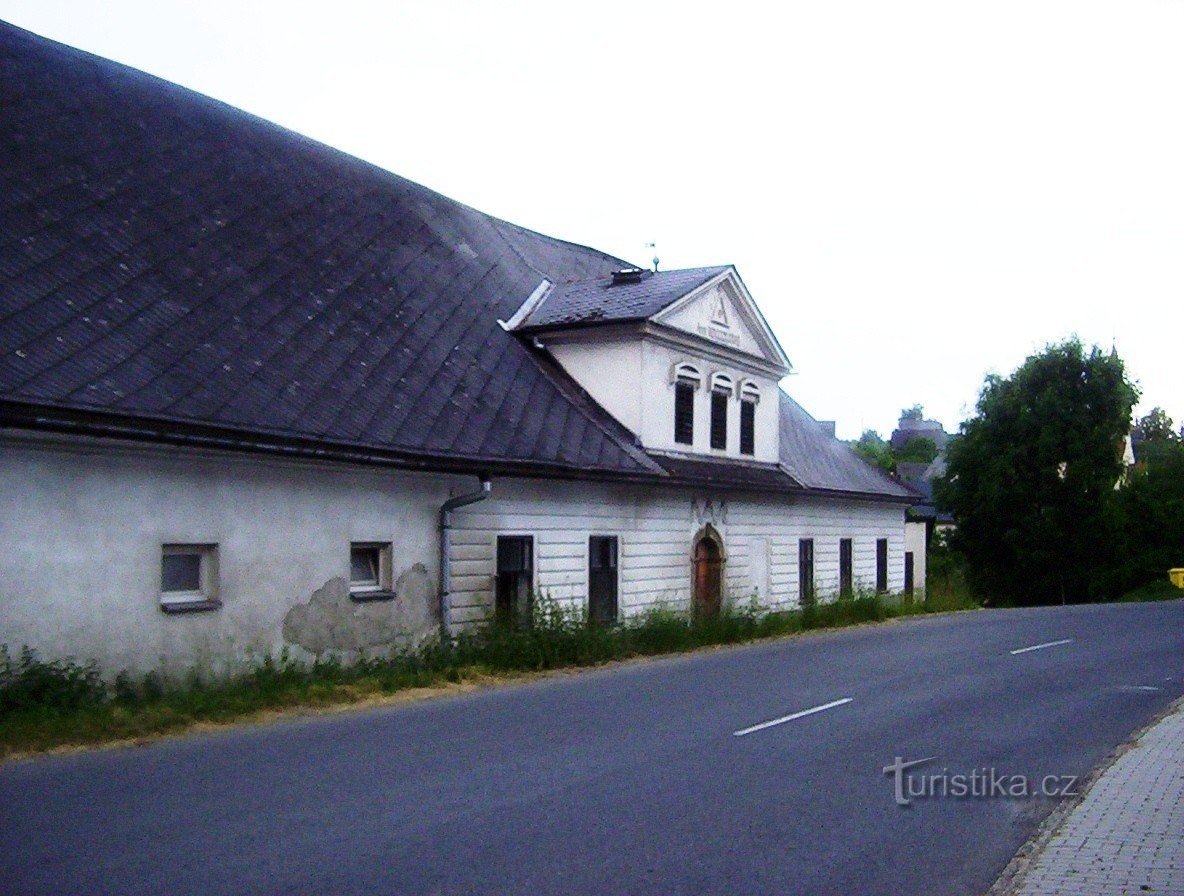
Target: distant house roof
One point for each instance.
(603, 299)
(173, 268)
(925, 429)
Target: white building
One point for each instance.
(256, 394)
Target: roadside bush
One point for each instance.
(28, 682)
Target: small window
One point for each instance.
(369, 571)
(684, 413)
(515, 580)
(686, 379)
(602, 579)
(188, 577)
(846, 579)
(881, 564)
(806, 571)
(719, 420)
(908, 573)
(747, 428)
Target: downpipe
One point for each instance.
(446, 548)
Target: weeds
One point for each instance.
(48, 704)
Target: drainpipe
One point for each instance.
(446, 548)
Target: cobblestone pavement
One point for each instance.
(1127, 835)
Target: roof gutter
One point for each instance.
(99, 424)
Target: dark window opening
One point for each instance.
(364, 567)
(180, 572)
(684, 413)
(747, 427)
(719, 420)
(846, 580)
(806, 571)
(602, 579)
(908, 572)
(515, 569)
(882, 564)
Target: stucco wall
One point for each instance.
(914, 540)
(83, 524)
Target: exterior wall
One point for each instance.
(657, 418)
(656, 527)
(914, 540)
(610, 371)
(83, 524)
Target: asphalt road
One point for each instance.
(624, 780)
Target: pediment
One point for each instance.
(723, 313)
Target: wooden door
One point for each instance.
(708, 578)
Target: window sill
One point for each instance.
(189, 606)
(365, 597)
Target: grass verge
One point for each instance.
(48, 705)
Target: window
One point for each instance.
(369, 571)
(515, 580)
(684, 413)
(602, 579)
(881, 564)
(188, 577)
(846, 583)
(686, 379)
(806, 571)
(719, 420)
(908, 573)
(747, 428)
(750, 395)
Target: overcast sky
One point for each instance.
(916, 193)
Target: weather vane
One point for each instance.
(654, 246)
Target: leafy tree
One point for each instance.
(916, 412)
(871, 447)
(918, 449)
(1156, 426)
(1030, 482)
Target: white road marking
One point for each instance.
(797, 715)
(1136, 687)
(1042, 646)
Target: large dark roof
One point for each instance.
(165, 256)
(174, 268)
(600, 300)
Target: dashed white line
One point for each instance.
(1042, 646)
(797, 715)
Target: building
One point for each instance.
(257, 394)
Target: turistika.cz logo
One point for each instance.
(980, 784)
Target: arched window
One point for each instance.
(750, 395)
(722, 389)
(686, 379)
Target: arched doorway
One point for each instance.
(708, 561)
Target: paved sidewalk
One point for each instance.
(1127, 835)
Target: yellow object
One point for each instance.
(1177, 577)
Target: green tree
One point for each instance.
(918, 449)
(916, 412)
(1156, 426)
(1030, 482)
(871, 447)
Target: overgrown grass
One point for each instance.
(1161, 589)
(50, 704)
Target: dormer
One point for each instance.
(684, 359)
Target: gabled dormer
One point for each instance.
(684, 359)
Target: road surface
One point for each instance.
(749, 770)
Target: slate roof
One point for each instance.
(165, 256)
(174, 268)
(600, 300)
(820, 462)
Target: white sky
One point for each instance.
(916, 193)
